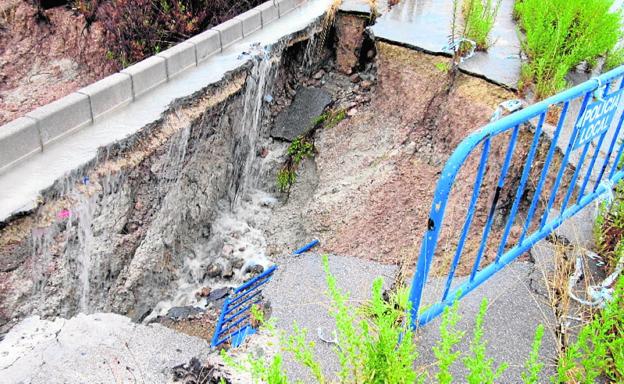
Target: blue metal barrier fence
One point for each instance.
(599, 102)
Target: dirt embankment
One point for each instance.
(374, 175)
(43, 60)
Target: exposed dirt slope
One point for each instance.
(43, 60)
(375, 173)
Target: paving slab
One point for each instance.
(426, 25)
(297, 294)
(515, 309)
(296, 120)
(97, 348)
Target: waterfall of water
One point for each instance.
(236, 240)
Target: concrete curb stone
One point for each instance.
(179, 58)
(147, 74)
(230, 32)
(62, 117)
(110, 93)
(19, 140)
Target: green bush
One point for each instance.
(479, 17)
(561, 34)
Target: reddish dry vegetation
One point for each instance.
(47, 53)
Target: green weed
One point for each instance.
(561, 34)
(443, 67)
(599, 349)
(285, 179)
(330, 118)
(450, 336)
(479, 17)
(609, 228)
(533, 365)
(614, 59)
(299, 149)
(480, 367)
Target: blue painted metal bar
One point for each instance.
(469, 215)
(259, 277)
(307, 247)
(242, 310)
(499, 188)
(609, 153)
(575, 175)
(564, 162)
(545, 169)
(584, 127)
(236, 315)
(617, 160)
(521, 187)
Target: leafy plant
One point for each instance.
(599, 348)
(561, 34)
(298, 150)
(614, 58)
(480, 367)
(285, 179)
(330, 118)
(450, 336)
(479, 17)
(533, 365)
(370, 349)
(443, 66)
(609, 228)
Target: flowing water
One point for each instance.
(236, 242)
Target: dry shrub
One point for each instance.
(136, 29)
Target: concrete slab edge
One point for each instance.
(54, 121)
(443, 54)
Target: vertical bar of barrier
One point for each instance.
(577, 170)
(564, 162)
(542, 179)
(521, 187)
(469, 215)
(617, 159)
(499, 188)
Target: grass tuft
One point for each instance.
(560, 34)
(479, 17)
